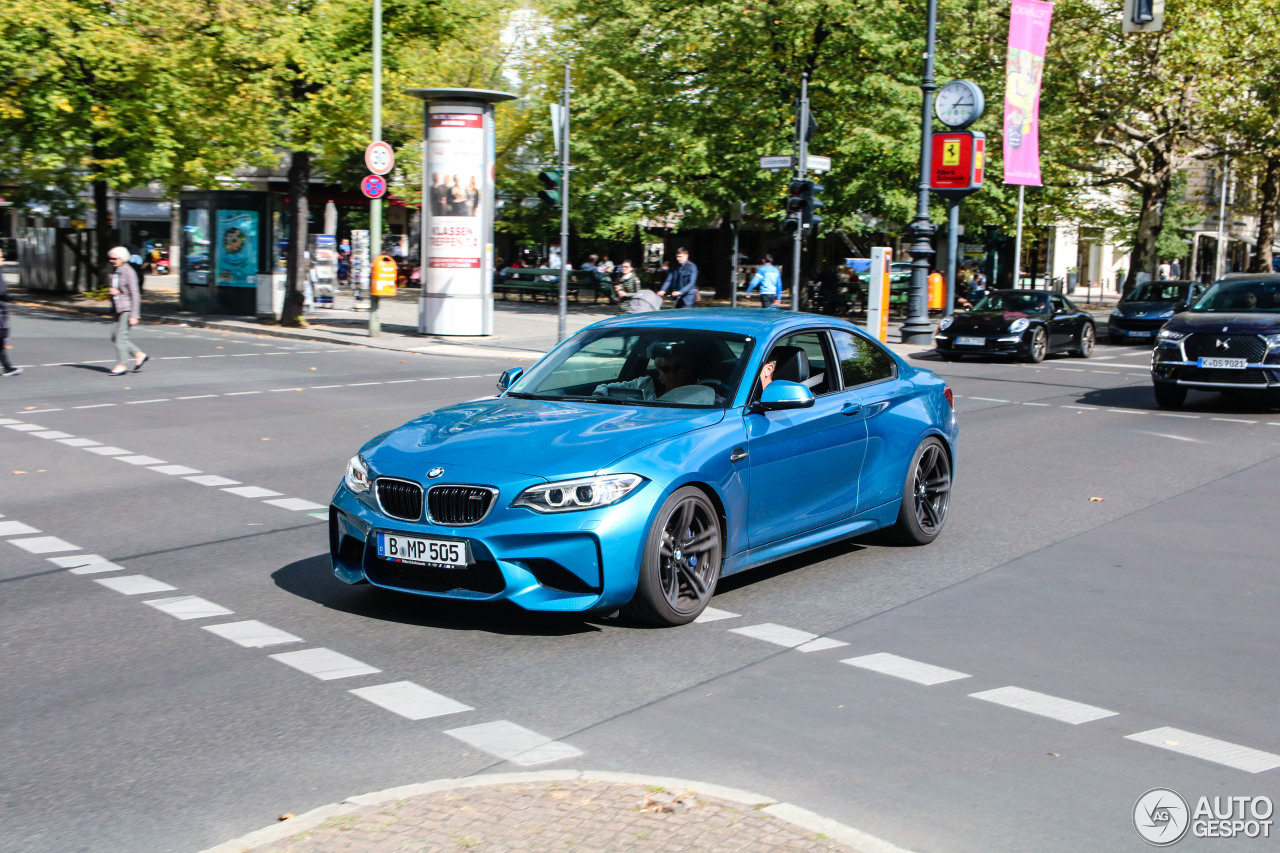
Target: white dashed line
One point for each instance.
(79, 442)
(906, 668)
(1233, 420)
(95, 406)
(108, 450)
(514, 743)
(173, 357)
(39, 411)
(409, 700)
(711, 614)
(174, 470)
(253, 492)
(1071, 369)
(295, 504)
(777, 634)
(1128, 411)
(188, 607)
(1044, 705)
(1174, 415)
(50, 433)
(134, 584)
(820, 645)
(71, 561)
(361, 384)
(398, 381)
(197, 397)
(324, 664)
(143, 402)
(8, 421)
(16, 528)
(252, 634)
(44, 545)
(1209, 749)
(241, 393)
(1081, 408)
(212, 480)
(988, 399)
(140, 460)
(21, 427)
(1037, 404)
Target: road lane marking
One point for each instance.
(1081, 408)
(38, 411)
(140, 460)
(44, 545)
(295, 504)
(8, 421)
(188, 607)
(821, 644)
(252, 634)
(989, 399)
(514, 743)
(173, 357)
(1233, 420)
(212, 480)
(409, 700)
(1175, 415)
(1175, 437)
(1044, 705)
(141, 402)
(777, 634)
(79, 442)
(21, 427)
(906, 668)
(174, 470)
(16, 528)
(361, 384)
(325, 664)
(241, 393)
(399, 381)
(197, 397)
(1037, 404)
(711, 614)
(95, 406)
(134, 584)
(108, 450)
(71, 561)
(253, 492)
(1207, 748)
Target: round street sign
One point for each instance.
(374, 186)
(379, 158)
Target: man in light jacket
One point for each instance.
(126, 300)
(682, 284)
(768, 279)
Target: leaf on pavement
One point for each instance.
(1096, 499)
(285, 816)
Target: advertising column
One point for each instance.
(457, 211)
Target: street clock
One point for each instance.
(959, 104)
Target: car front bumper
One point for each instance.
(947, 344)
(570, 562)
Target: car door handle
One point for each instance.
(738, 454)
(851, 408)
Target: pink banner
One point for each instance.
(1028, 38)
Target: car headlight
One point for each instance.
(946, 323)
(357, 476)
(1273, 341)
(1116, 315)
(1170, 335)
(573, 495)
(1165, 315)
(1019, 325)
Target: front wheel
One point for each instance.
(926, 494)
(1086, 340)
(682, 560)
(1169, 396)
(1039, 346)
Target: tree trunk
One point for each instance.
(1144, 258)
(101, 231)
(299, 182)
(1267, 214)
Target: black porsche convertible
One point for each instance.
(1028, 324)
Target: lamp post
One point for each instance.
(918, 329)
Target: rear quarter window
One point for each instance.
(862, 361)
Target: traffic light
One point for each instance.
(812, 203)
(1143, 11)
(552, 180)
(795, 206)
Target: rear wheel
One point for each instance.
(1039, 346)
(1169, 396)
(926, 494)
(681, 563)
(1086, 340)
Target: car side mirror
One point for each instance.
(509, 377)
(781, 394)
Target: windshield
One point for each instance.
(683, 368)
(1015, 302)
(1158, 291)
(1238, 296)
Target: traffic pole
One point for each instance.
(375, 204)
(953, 246)
(802, 149)
(564, 209)
(917, 329)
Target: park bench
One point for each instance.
(546, 282)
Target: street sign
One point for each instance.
(814, 163)
(385, 271)
(957, 165)
(379, 158)
(374, 186)
(783, 161)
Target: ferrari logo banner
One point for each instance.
(1028, 37)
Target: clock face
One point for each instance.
(958, 103)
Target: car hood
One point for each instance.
(1139, 310)
(1217, 322)
(986, 322)
(532, 437)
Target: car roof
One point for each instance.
(754, 322)
(1026, 290)
(1259, 277)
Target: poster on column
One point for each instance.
(236, 249)
(1028, 37)
(456, 159)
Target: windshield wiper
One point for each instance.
(521, 395)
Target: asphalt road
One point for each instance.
(128, 728)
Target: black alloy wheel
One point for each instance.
(1086, 339)
(1039, 346)
(682, 560)
(925, 495)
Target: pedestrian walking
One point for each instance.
(6, 368)
(628, 283)
(126, 300)
(682, 283)
(1162, 271)
(1175, 268)
(768, 279)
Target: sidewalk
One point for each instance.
(558, 810)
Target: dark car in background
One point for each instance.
(1143, 310)
(1028, 324)
(1228, 341)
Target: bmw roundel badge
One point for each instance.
(434, 472)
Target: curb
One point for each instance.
(786, 812)
(441, 349)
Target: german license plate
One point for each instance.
(411, 549)
(971, 342)
(1223, 363)
(1145, 334)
